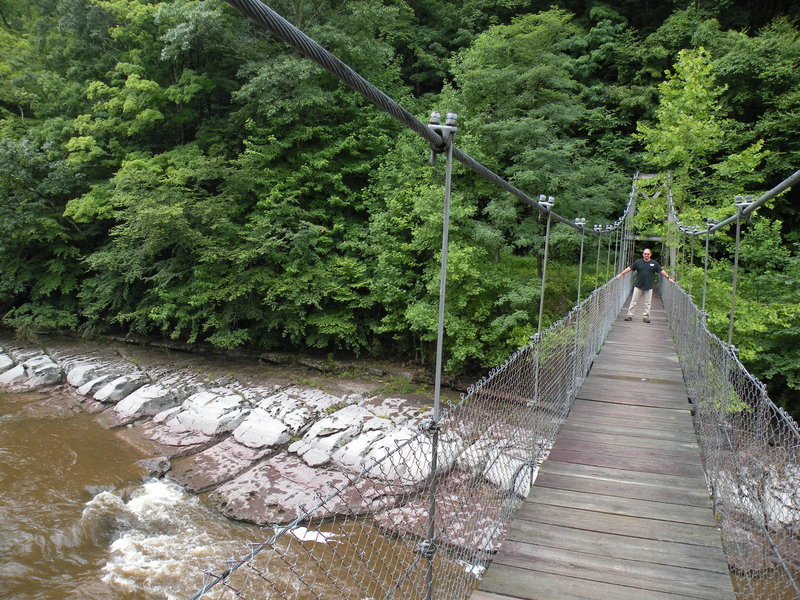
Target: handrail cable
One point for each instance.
(783, 185)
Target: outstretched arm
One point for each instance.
(665, 274)
(626, 270)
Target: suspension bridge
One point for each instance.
(620, 508)
(604, 459)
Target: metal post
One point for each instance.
(447, 132)
(576, 356)
(623, 255)
(741, 204)
(597, 266)
(709, 223)
(608, 254)
(690, 240)
(547, 202)
(581, 222)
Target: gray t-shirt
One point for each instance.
(645, 273)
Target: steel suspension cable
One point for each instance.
(288, 33)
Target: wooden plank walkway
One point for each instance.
(620, 509)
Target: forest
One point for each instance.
(170, 170)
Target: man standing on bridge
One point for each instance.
(646, 269)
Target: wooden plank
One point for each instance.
(601, 474)
(664, 433)
(514, 582)
(626, 462)
(568, 433)
(694, 583)
(640, 385)
(598, 418)
(635, 377)
(580, 406)
(651, 417)
(589, 409)
(622, 354)
(674, 554)
(694, 497)
(613, 447)
(650, 529)
(621, 367)
(641, 394)
(624, 397)
(616, 505)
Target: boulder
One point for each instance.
(151, 399)
(22, 354)
(175, 443)
(120, 387)
(261, 430)
(212, 413)
(352, 455)
(403, 457)
(82, 371)
(511, 470)
(93, 385)
(299, 407)
(42, 372)
(338, 428)
(466, 521)
(36, 370)
(14, 376)
(398, 410)
(6, 363)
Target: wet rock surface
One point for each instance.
(268, 441)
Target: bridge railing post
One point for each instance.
(709, 224)
(741, 205)
(447, 132)
(547, 203)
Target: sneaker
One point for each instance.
(646, 319)
(629, 318)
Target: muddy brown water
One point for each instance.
(78, 521)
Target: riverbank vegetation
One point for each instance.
(168, 169)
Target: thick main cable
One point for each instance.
(288, 33)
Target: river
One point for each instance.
(77, 521)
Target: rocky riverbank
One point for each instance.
(265, 440)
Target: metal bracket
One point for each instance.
(446, 132)
(426, 548)
(429, 425)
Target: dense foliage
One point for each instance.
(166, 168)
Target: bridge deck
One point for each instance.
(620, 509)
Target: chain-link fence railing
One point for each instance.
(751, 456)
(428, 506)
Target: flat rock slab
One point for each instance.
(174, 443)
(216, 465)
(464, 522)
(283, 488)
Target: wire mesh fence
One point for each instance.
(428, 506)
(751, 456)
